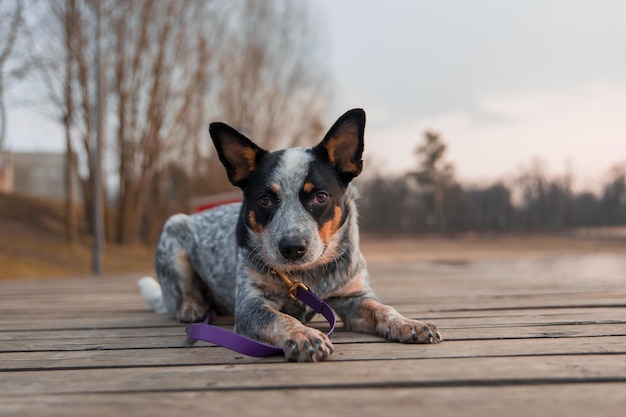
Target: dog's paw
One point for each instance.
(192, 312)
(307, 345)
(405, 330)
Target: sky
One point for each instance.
(504, 83)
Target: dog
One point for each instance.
(298, 217)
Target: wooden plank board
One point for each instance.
(32, 312)
(177, 339)
(96, 328)
(34, 324)
(354, 374)
(95, 301)
(520, 340)
(375, 350)
(573, 400)
(31, 324)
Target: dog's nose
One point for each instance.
(292, 248)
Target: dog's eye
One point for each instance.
(321, 197)
(265, 200)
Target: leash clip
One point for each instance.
(292, 286)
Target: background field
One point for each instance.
(32, 245)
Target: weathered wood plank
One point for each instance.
(575, 400)
(383, 276)
(134, 307)
(479, 297)
(448, 320)
(352, 374)
(522, 339)
(139, 341)
(31, 324)
(381, 350)
(86, 320)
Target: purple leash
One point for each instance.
(242, 344)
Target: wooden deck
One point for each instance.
(545, 338)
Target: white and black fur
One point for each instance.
(298, 216)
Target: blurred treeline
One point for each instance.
(432, 200)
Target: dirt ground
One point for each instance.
(33, 245)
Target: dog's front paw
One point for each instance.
(405, 330)
(307, 345)
(190, 312)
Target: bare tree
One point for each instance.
(252, 64)
(271, 75)
(71, 227)
(434, 173)
(613, 201)
(172, 67)
(42, 45)
(11, 19)
(161, 81)
(533, 184)
(77, 97)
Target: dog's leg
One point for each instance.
(184, 293)
(362, 312)
(194, 305)
(299, 343)
(368, 315)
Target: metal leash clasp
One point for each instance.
(291, 285)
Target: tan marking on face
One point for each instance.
(275, 188)
(328, 230)
(258, 229)
(308, 187)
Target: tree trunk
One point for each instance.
(71, 227)
(71, 223)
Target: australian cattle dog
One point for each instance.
(298, 217)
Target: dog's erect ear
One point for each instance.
(238, 153)
(343, 144)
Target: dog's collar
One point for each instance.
(242, 344)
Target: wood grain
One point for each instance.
(519, 341)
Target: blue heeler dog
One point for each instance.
(298, 217)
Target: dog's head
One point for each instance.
(295, 199)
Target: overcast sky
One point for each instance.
(503, 82)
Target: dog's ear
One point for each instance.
(238, 154)
(343, 145)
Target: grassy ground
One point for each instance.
(32, 245)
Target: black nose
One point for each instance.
(292, 248)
